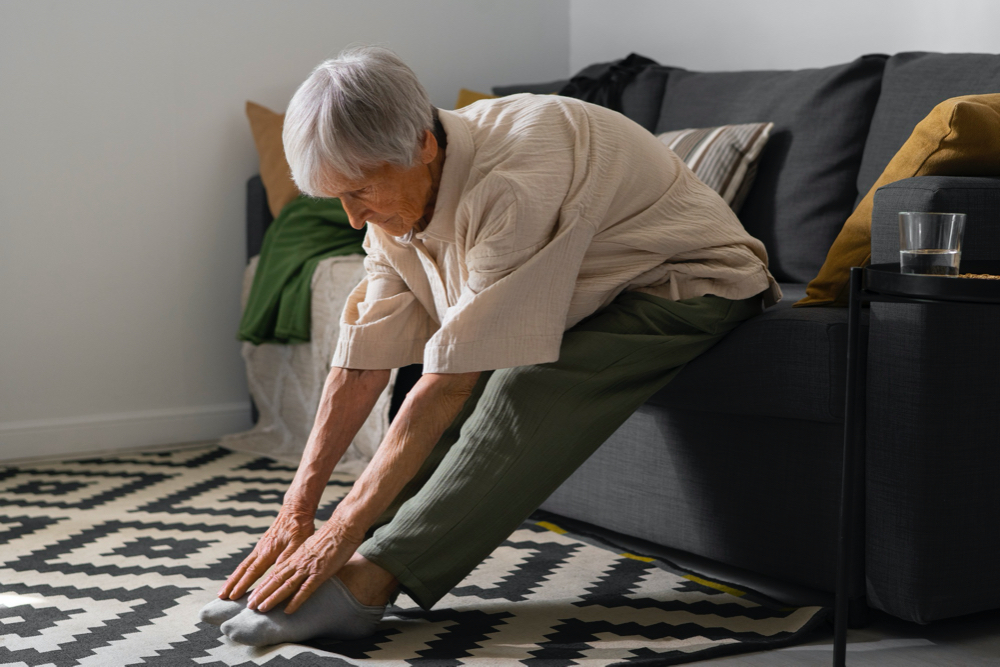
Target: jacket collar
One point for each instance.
(454, 175)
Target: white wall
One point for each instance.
(123, 156)
(776, 34)
(124, 152)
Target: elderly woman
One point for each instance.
(552, 265)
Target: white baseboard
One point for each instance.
(47, 438)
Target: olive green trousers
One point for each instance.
(524, 430)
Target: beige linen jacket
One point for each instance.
(548, 208)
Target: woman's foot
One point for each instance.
(369, 583)
(219, 611)
(331, 612)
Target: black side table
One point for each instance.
(883, 283)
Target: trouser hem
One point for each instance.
(409, 583)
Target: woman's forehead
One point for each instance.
(336, 182)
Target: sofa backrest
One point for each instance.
(806, 178)
(641, 99)
(913, 84)
(807, 174)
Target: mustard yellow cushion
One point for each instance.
(274, 170)
(467, 97)
(960, 137)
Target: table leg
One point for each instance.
(853, 431)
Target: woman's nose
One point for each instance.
(355, 215)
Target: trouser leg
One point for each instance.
(533, 426)
(433, 460)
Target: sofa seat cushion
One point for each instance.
(787, 362)
(805, 186)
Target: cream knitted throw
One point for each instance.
(286, 380)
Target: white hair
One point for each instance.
(357, 111)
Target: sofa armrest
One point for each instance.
(932, 501)
(977, 197)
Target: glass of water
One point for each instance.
(930, 243)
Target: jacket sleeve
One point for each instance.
(383, 325)
(522, 271)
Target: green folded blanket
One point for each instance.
(306, 231)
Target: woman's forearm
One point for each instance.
(348, 398)
(429, 408)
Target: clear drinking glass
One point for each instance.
(930, 243)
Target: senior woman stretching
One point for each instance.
(552, 265)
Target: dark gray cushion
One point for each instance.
(913, 84)
(259, 215)
(787, 362)
(807, 175)
(643, 96)
(978, 198)
(534, 88)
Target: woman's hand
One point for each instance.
(286, 534)
(314, 562)
(347, 400)
(427, 411)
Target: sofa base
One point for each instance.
(760, 493)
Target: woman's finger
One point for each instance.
(307, 588)
(283, 592)
(263, 556)
(288, 552)
(243, 577)
(274, 581)
(252, 574)
(234, 578)
(276, 546)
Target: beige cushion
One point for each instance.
(274, 170)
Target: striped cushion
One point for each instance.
(724, 158)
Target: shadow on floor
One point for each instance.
(965, 641)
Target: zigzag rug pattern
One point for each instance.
(108, 561)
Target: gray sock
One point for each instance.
(218, 611)
(331, 612)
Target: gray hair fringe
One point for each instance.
(357, 111)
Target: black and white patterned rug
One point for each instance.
(107, 562)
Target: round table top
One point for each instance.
(886, 279)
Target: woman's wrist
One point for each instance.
(344, 529)
(296, 507)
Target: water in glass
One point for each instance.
(934, 262)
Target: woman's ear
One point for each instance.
(429, 148)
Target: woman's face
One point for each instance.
(395, 199)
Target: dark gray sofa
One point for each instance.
(739, 458)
